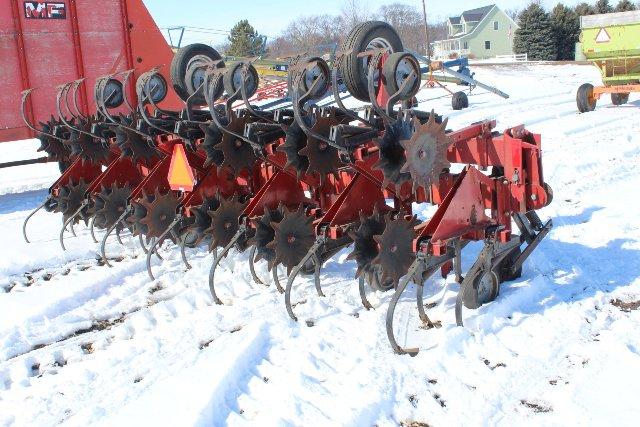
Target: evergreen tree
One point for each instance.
(245, 41)
(535, 36)
(625, 6)
(603, 6)
(566, 29)
(584, 9)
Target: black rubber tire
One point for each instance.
(619, 98)
(354, 73)
(389, 75)
(197, 98)
(229, 85)
(184, 57)
(322, 89)
(157, 96)
(459, 101)
(584, 98)
(115, 85)
(549, 191)
(505, 265)
(471, 298)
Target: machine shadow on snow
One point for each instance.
(21, 201)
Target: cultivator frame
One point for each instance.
(294, 182)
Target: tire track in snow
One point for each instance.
(310, 378)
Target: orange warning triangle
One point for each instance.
(180, 173)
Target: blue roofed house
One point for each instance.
(484, 32)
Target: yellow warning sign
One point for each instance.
(603, 36)
(180, 173)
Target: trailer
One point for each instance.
(612, 42)
(46, 44)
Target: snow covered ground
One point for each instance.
(82, 343)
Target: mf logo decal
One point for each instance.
(45, 10)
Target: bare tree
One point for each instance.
(354, 12)
(408, 23)
(513, 13)
(307, 33)
(310, 33)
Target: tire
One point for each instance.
(505, 267)
(484, 288)
(352, 68)
(187, 57)
(230, 85)
(549, 191)
(584, 98)
(155, 81)
(619, 98)
(321, 70)
(391, 74)
(459, 101)
(111, 87)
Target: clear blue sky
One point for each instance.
(270, 17)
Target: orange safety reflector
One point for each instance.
(180, 173)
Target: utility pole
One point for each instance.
(426, 28)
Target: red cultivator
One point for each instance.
(295, 182)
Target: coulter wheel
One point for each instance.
(224, 221)
(212, 137)
(160, 213)
(55, 149)
(140, 212)
(395, 248)
(295, 141)
(109, 204)
(265, 234)
(238, 155)
(293, 238)
(392, 156)
(426, 152)
(585, 99)
(132, 144)
(69, 200)
(323, 159)
(365, 250)
(201, 220)
(85, 147)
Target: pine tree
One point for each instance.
(535, 36)
(625, 6)
(584, 9)
(603, 6)
(566, 29)
(245, 41)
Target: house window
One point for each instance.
(495, 25)
(465, 45)
(487, 45)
